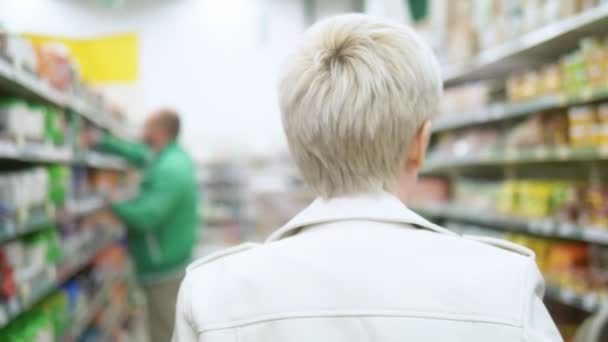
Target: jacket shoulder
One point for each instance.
(220, 254)
(502, 244)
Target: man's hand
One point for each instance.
(90, 137)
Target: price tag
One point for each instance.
(563, 152)
(568, 296)
(567, 229)
(13, 306)
(10, 228)
(6, 69)
(8, 149)
(547, 226)
(586, 94)
(541, 153)
(511, 154)
(590, 301)
(535, 226)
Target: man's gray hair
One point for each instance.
(352, 97)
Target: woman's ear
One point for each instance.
(418, 146)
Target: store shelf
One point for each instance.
(29, 84)
(84, 319)
(505, 111)
(548, 42)
(26, 82)
(100, 160)
(85, 205)
(561, 154)
(49, 280)
(585, 301)
(34, 152)
(36, 220)
(42, 153)
(542, 227)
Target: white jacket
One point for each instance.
(365, 269)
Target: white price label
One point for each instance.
(547, 226)
(568, 296)
(13, 306)
(511, 154)
(590, 301)
(6, 69)
(567, 229)
(586, 94)
(535, 226)
(563, 152)
(10, 228)
(541, 153)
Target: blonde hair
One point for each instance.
(352, 96)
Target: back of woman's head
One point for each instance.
(352, 96)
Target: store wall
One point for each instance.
(215, 61)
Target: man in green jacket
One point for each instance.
(162, 220)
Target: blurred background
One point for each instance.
(518, 151)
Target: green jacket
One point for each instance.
(162, 220)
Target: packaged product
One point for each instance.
(55, 65)
(21, 51)
(581, 121)
(530, 85)
(528, 133)
(566, 263)
(574, 72)
(570, 209)
(555, 132)
(59, 183)
(550, 79)
(598, 274)
(595, 207)
(595, 61)
(602, 125)
(55, 126)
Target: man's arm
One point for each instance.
(135, 153)
(155, 201)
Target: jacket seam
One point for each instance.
(523, 292)
(190, 311)
(355, 314)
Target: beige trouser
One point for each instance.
(161, 298)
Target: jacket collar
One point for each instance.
(382, 207)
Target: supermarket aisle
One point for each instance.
(519, 152)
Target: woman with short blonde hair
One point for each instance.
(352, 97)
(357, 98)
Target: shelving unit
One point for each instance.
(589, 302)
(76, 214)
(24, 83)
(50, 280)
(501, 160)
(98, 303)
(503, 157)
(506, 111)
(544, 227)
(530, 49)
(35, 221)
